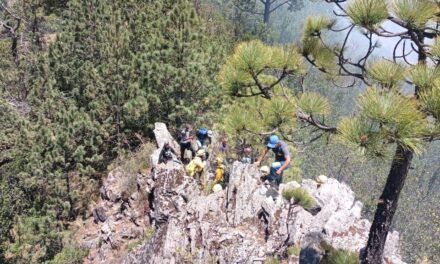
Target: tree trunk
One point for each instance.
(387, 206)
(266, 14)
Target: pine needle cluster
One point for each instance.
(415, 13)
(250, 69)
(368, 13)
(300, 197)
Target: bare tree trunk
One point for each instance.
(386, 206)
(266, 15)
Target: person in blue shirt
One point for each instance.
(202, 136)
(282, 159)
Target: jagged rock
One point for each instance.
(99, 214)
(130, 233)
(311, 251)
(113, 186)
(243, 224)
(106, 229)
(162, 136)
(135, 196)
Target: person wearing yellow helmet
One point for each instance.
(220, 170)
(265, 170)
(196, 167)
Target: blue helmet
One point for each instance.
(273, 141)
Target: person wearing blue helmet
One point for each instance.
(282, 159)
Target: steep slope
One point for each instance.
(246, 223)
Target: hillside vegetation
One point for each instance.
(82, 83)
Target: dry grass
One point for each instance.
(132, 163)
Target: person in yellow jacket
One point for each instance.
(196, 167)
(220, 171)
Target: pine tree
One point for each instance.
(114, 70)
(388, 122)
(178, 64)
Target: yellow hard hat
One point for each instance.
(217, 188)
(219, 160)
(265, 170)
(200, 152)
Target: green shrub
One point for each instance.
(271, 260)
(338, 256)
(69, 255)
(288, 194)
(343, 257)
(293, 174)
(301, 197)
(293, 251)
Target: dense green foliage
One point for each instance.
(387, 119)
(88, 79)
(114, 69)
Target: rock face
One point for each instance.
(117, 220)
(162, 136)
(245, 223)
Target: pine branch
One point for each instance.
(309, 119)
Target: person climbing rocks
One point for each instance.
(185, 142)
(167, 153)
(210, 136)
(223, 145)
(203, 138)
(196, 167)
(247, 155)
(282, 159)
(219, 171)
(265, 171)
(223, 148)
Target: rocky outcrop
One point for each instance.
(117, 220)
(162, 136)
(245, 223)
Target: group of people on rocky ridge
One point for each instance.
(200, 144)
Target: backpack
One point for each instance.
(203, 132)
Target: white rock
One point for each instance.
(242, 224)
(321, 179)
(105, 228)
